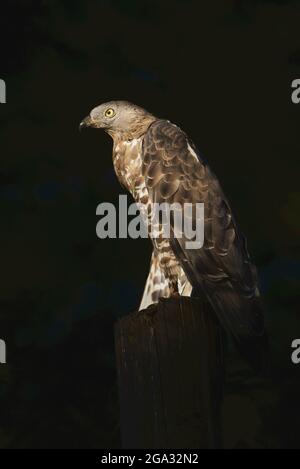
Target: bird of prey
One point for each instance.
(157, 162)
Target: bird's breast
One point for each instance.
(127, 160)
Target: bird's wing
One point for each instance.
(221, 269)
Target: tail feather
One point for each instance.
(241, 317)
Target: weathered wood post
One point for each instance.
(170, 374)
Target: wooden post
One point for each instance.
(170, 376)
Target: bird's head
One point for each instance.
(119, 118)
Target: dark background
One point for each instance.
(222, 70)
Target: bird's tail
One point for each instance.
(242, 318)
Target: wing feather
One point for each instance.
(221, 269)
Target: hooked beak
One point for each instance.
(87, 122)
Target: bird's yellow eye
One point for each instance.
(109, 112)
